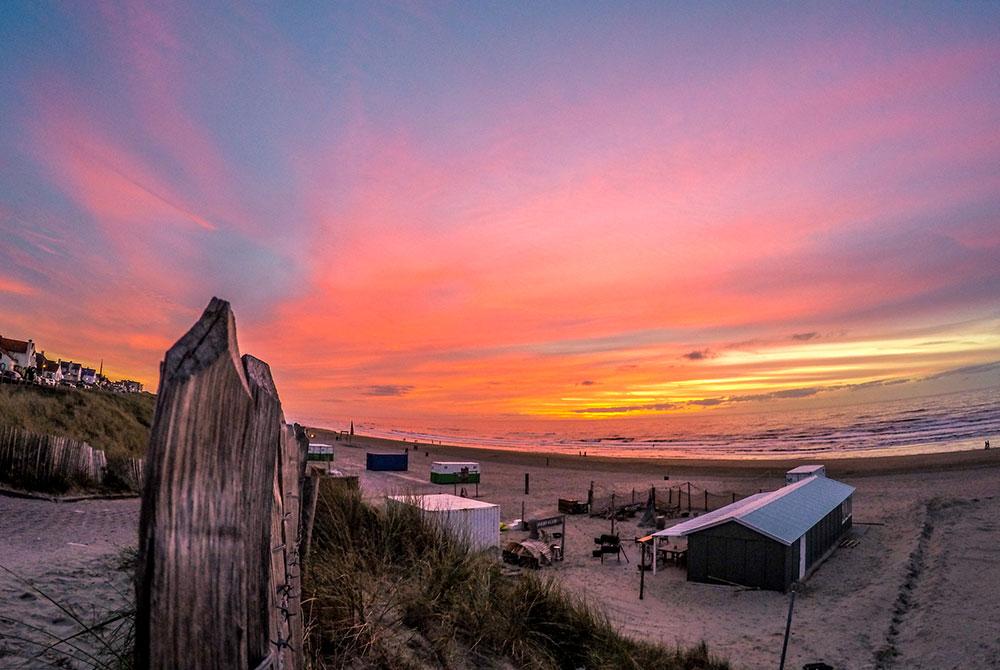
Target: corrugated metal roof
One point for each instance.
(783, 515)
(436, 502)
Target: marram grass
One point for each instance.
(383, 589)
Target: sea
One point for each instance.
(930, 424)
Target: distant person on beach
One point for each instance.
(987, 444)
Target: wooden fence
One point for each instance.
(37, 461)
(46, 462)
(218, 583)
(125, 472)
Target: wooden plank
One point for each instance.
(295, 446)
(310, 496)
(264, 437)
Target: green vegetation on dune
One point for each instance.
(118, 423)
(384, 589)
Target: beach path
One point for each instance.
(71, 552)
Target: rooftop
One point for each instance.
(436, 502)
(805, 469)
(14, 346)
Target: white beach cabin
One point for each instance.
(803, 471)
(466, 518)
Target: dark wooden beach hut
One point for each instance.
(768, 540)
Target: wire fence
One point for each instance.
(672, 500)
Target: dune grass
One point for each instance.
(383, 589)
(118, 423)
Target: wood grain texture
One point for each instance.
(218, 584)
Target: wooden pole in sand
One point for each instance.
(526, 487)
(562, 540)
(689, 496)
(642, 571)
(788, 629)
(612, 512)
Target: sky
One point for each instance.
(512, 210)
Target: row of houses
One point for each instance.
(19, 360)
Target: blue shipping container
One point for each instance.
(377, 461)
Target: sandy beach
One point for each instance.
(69, 552)
(935, 600)
(924, 579)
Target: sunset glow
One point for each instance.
(512, 210)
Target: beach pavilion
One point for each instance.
(768, 540)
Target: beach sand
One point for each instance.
(924, 580)
(935, 601)
(69, 552)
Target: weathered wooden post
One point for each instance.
(642, 571)
(217, 580)
(612, 512)
(788, 628)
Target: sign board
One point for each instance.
(545, 523)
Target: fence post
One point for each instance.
(612, 512)
(706, 500)
(211, 547)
